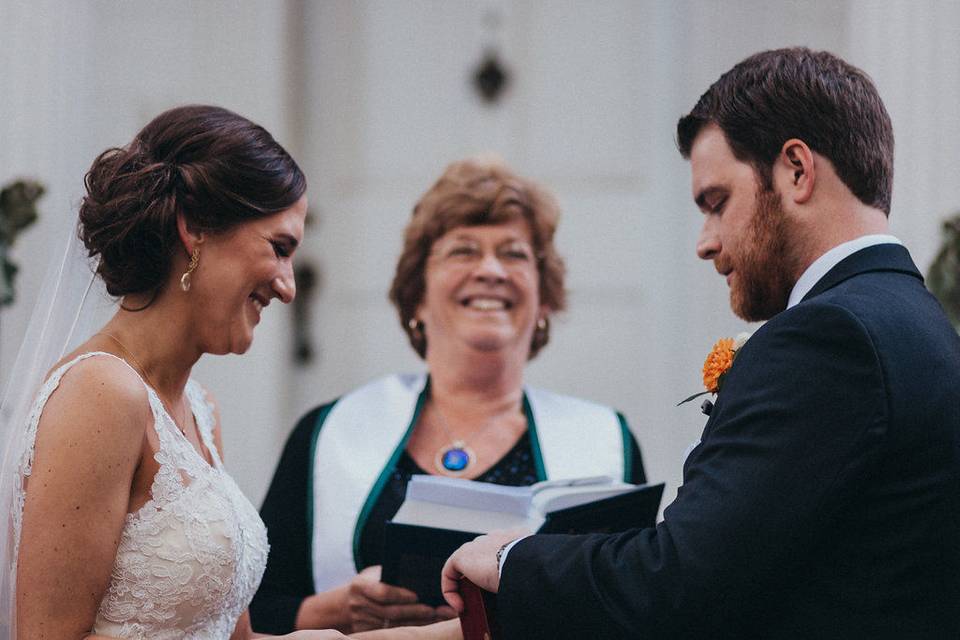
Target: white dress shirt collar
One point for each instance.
(830, 259)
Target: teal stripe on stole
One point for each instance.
(534, 439)
(385, 476)
(627, 448)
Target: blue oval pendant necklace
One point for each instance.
(455, 458)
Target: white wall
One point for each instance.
(911, 51)
(373, 98)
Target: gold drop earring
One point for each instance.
(185, 278)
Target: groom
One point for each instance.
(823, 500)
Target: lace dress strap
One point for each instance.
(174, 452)
(202, 410)
(50, 385)
(25, 466)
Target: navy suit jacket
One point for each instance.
(822, 502)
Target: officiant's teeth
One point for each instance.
(257, 304)
(487, 304)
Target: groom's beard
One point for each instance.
(767, 268)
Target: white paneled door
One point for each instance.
(588, 111)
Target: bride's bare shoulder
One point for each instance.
(100, 388)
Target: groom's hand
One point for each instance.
(476, 561)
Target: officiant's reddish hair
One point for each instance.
(215, 167)
(478, 191)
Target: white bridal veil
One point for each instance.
(70, 304)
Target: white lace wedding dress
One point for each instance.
(191, 558)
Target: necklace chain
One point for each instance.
(462, 455)
(143, 372)
(445, 426)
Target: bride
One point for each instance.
(125, 523)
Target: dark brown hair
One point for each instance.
(215, 167)
(815, 96)
(471, 192)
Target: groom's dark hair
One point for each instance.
(815, 96)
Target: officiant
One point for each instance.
(475, 287)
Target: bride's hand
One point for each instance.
(446, 630)
(245, 632)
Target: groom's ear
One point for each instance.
(190, 238)
(795, 171)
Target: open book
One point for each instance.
(478, 507)
(439, 514)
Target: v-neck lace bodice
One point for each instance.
(191, 558)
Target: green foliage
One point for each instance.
(943, 278)
(17, 212)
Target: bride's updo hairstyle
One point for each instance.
(215, 167)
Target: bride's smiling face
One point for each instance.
(240, 272)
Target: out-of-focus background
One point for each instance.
(375, 97)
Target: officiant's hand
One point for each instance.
(477, 561)
(375, 605)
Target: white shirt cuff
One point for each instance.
(506, 550)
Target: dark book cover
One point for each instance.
(635, 509)
(414, 555)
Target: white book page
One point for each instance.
(556, 498)
(443, 516)
(482, 496)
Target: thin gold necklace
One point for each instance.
(456, 457)
(143, 372)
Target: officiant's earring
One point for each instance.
(541, 334)
(417, 338)
(416, 328)
(543, 329)
(185, 278)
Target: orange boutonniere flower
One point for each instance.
(718, 362)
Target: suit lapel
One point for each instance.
(879, 257)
